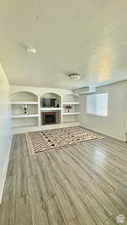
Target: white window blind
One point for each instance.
(97, 104)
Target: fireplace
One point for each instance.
(50, 117)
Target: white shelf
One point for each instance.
(24, 103)
(50, 109)
(24, 116)
(71, 103)
(23, 126)
(71, 113)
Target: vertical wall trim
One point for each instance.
(4, 172)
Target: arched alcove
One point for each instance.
(24, 109)
(50, 100)
(24, 96)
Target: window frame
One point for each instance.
(95, 113)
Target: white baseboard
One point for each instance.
(103, 133)
(4, 172)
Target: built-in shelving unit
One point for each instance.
(50, 109)
(38, 110)
(71, 109)
(21, 118)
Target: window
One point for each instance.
(97, 104)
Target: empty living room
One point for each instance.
(63, 112)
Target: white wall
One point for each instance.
(115, 124)
(5, 137)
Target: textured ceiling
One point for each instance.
(88, 37)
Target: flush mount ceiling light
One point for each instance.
(31, 50)
(74, 76)
(28, 48)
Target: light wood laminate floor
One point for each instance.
(84, 184)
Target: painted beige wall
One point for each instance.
(5, 137)
(115, 124)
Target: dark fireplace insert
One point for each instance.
(49, 117)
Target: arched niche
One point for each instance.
(47, 97)
(24, 96)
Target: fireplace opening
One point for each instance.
(50, 117)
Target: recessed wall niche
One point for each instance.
(50, 100)
(24, 109)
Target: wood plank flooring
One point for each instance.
(84, 184)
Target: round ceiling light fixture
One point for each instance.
(28, 48)
(74, 76)
(31, 50)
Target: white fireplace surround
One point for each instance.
(50, 117)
